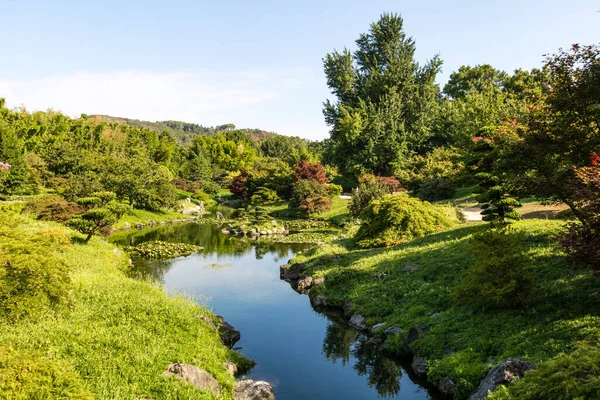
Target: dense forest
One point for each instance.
(398, 143)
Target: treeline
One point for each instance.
(143, 167)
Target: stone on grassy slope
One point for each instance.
(504, 373)
(359, 322)
(231, 367)
(228, 334)
(253, 390)
(194, 375)
(419, 365)
(446, 386)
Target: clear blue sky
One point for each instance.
(252, 63)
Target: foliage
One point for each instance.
(31, 375)
(315, 205)
(311, 172)
(306, 189)
(159, 250)
(385, 101)
(369, 189)
(334, 190)
(102, 213)
(286, 148)
(440, 164)
(263, 195)
(398, 218)
(437, 189)
(567, 376)
(498, 207)
(33, 279)
(500, 275)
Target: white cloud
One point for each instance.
(208, 97)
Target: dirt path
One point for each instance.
(472, 214)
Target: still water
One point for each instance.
(304, 354)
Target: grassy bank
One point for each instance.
(112, 337)
(464, 341)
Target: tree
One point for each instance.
(102, 212)
(497, 205)
(386, 102)
(469, 79)
(369, 189)
(15, 178)
(311, 172)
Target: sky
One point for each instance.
(257, 64)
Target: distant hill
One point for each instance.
(183, 132)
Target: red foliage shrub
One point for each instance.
(316, 205)
(60, 211)
(310, 172)
(390, 182)
(238, 185)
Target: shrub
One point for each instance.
(437, 189)
(398, 218)
(441, 162)
(500, 275)
(310, 172)
(33, 280)
(564, 377)
(334, 190)
(102, 213)
(199, 195)
(264, 195)
(61, 211)
(498, 207)
(390, 182)
(305, 189)
(238, 185)
(29, 375)
(211, 188)
(369, 189)
(315, 205)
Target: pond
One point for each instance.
(304, 354)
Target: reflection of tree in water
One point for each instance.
(341, 342)
(155, 269)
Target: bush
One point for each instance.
(29, 375)
(211, 188)
(441, 162)
(437, 189)
(61, 211)
(199, 195)
(500, 275)
(33, 280)
(264, 195)
(334, 190)
(315, 205)
(305, 189)
(369, 189)
(310, 172)
(572, 376)
(398, 218)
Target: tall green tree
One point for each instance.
(386, 101)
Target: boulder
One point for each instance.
(231, 367)
(394, 330)
(208, 321)
(504, 373)
(252, 390)
(380, 277)
(446, 386)
(410, 267)
(291, 272)
(358, 322)
(415, 333)
(319, 300)
(126, 226)
(139, 225)
(229, 335)
(318, 281)
(151, 222)
(419, 365)
(194, 375)
(304, 284)
(116, 251)
(377, 327)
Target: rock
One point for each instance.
(358, 322)
(151, 222)
(291, 273)
(380, 277)
(126, 226)
(377, 327)
(263, 233)
(415, 333)
(194, 375)
(375, 340)
(446, 386)
(410, 267)
(435, 315)
(139, 225)
(319, 300)
(504, 373)
(394, 330)
(273, 222)
(304, 284)
(252, 390)
(336, 258)
(116, 251)
(419, 365)
(208, 321)
(224, 231)
(231, 367)
(318, 281)
(229, 335)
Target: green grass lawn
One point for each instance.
(143, 216)
(116, 337)
(464, 341)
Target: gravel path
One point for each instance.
(472, 214)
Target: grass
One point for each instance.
(143, 216)
(464, 341)
(117, 337)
